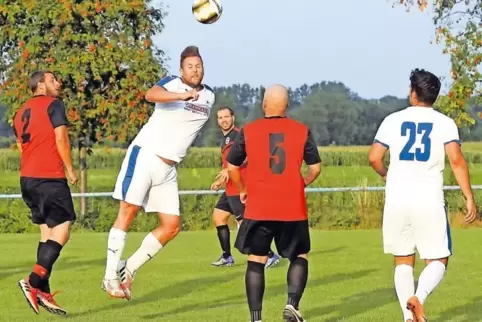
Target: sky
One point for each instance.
(368, 45)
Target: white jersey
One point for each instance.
(416, 137)
(173, 126)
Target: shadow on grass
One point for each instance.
(68, 263)
(241, 298)
(466, 312)
(354, 305)
(168, 292)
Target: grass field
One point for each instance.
(104, 179)
(350, 280)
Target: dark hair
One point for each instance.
(226, 108)
(36, 78)
(190, 51)
(426, 85)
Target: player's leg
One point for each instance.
(254, 239)
(293, 242)
(60, 216)
(221, 214)
(31, 199)
(132, 185)
(398, 240)
(163, 198)
(57, 213)
(435, 247)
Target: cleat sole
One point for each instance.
(19, 284)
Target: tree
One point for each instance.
(459, 27)
(101, 51)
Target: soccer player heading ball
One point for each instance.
(148, 176)
(415, 216)
(274, 194)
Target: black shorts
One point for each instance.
(49, 200)
(231, 204)
(292, 238)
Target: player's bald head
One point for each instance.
(275, 100)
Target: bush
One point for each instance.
(338, 210)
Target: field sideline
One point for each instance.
(350, 280)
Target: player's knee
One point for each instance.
(171, 225)
(220, 217)
(298, 257)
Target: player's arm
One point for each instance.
(236, 157)
(379, 147)
(459, 167)
(59, 122)
(375, 158)
(311, 156)
(165, 91)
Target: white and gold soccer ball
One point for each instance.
(207, 11)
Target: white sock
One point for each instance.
(115, 247)
(149, 248)
(431, 276)
(405, 287)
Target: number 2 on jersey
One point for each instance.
(26, 121)
(413, 131)
(277, 154)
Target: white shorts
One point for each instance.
(424, 228)
(145, 180)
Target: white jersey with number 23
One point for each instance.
(414, 215)
(416, 137)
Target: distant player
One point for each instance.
(415, 215)
(229, 203)
(275, 198)
(148, 176)
(40, 128)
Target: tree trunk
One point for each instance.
(83, 176)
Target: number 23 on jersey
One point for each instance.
(416, 133)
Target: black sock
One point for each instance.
(270, 253)
(224, 240)
(45, 285)
(255, 289)
(297, 278)
(47, 256)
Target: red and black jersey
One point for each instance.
(276, 148)
(229, 138)
(34, 126)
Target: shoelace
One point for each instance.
(50, 297)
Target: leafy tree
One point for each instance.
(459, 27)
(101, 51)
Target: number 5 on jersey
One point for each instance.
(416, 132)
(277, 159)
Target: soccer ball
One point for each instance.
(207, 11)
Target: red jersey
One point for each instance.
(276, 148)
(231, 189)
(34, 126)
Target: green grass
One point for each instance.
(104, 179)
(350, 280)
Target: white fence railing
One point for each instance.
(211, 192)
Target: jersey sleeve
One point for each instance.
(57, 116)
(237, 152)
(170, 83)
(311, 155)
(451, 133)
(383, 134)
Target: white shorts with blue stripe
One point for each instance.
(417, 226)
(145, 180)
